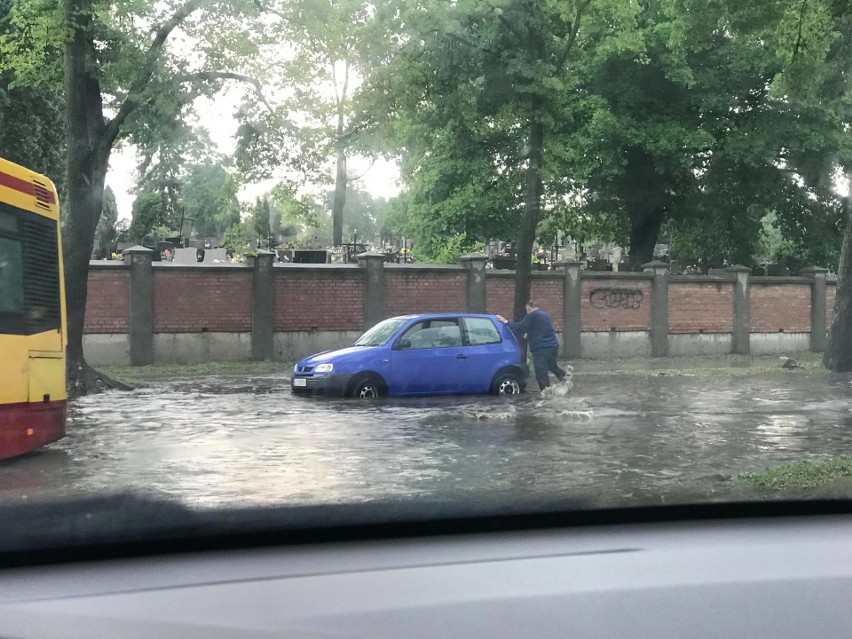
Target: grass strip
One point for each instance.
(803, 474)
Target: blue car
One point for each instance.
(431, 354)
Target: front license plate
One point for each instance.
(300, 381)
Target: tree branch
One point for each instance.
(511, 27)
(355, 179)
(145, 73)
(572, 37)
(274, 12)
(228, 75)
(799, 35)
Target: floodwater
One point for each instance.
(609, 440)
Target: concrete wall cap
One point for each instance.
(137, 250)
(813, 270)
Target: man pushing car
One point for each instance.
(542, 341)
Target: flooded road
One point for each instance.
(240, 440)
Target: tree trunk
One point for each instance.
(838, 351)
(340, 181)
(86, 167)
(530, 216)
(645, 227)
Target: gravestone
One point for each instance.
(310, 256)
(212, 256)
(186, 256)
(776, 270)
(504, 263)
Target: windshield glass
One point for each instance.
(380, 333)
(653, 195)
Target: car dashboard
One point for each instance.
(762, 576)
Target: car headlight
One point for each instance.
(324, 368)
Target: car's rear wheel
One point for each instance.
(367, 388)
(507, 383)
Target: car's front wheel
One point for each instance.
(507, 384)
(367, 388)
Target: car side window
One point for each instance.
(431, 334)
(480, 330)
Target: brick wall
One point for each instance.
(322, 299)
(425, 291)
(107, 307)
(499, 294)
(780, 307)
(701, 307)
(189, 299)
(547, 291)
(609, 303)
(193, 300)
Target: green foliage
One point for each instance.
(295, 210)
(314, 115)
(261, 218)
(208, 197)
(107, 231)
(447, 252)
(362, 213)
(471, 80)
(803, 474)
(236, 238)
(31, 116)
(163, 231)
(148, 211)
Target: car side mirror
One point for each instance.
(403, 344)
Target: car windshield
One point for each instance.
(380, 333)
(205, 205)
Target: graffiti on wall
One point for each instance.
(616, 298)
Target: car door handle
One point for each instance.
(461, 356)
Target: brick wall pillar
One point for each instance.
(374, 287)
(475, 265)
(141, 305)
(262, 306)
(742, 311)
(571, 326)
(659, 308)
(819, 321)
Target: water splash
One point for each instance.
(560, 388)
(490, 412)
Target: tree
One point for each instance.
(508, 71)
(209, 197)
(813, 42)
(115, 70)
(363, 214)
(31, 115)
(691, 135)
(107, 230)
(314, 120)
(148, 211)
(262, 217)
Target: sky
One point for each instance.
(216, 115)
